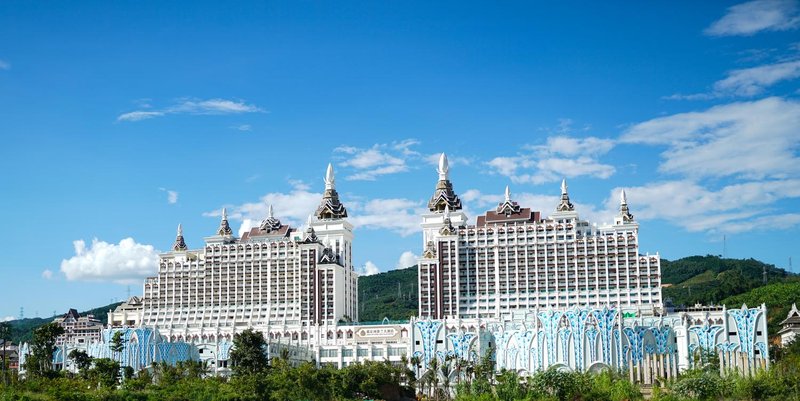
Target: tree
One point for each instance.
(40, 362)
(248, 355)
(5, 336)
(117, 342)
(82, 360)
(105, 372)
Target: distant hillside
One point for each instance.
(392, 295)
(778, 297)
(22, 329)
(709, 279)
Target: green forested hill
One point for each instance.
(21, 329)
(392, 295)
(777, 296)
(710, 279)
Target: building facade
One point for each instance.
(512, 259)
(78, 329)
(274, 275)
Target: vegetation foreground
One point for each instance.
(256, 378)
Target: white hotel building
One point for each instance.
(273, 276)
(536, 291)
(514, 259)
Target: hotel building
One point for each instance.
(273, 276)
(536, 291)
(512, 258)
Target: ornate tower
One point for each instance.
(333, 229)
(180, 244)
(624, 216)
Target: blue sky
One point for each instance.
(121, 120)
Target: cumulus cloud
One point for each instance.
(746, 140)
(368, 269)
(394, 214)
(753, 81)
(748, 82)
(368, 164)
(398, 215)
(47, 274)
(291, 207)
(559, 157)
(8, 319)
(172, 196)
(755, 16)
(538, 202)
(194, 106)
(729, 209)
(125, 263)
(407, 259)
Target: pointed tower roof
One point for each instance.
(508, 207)
(624, 212)
(224, 228)
(447, 224)
(180, 244)
(444, 194)
(270, 223)
(793, 318)
(330, 208)
(311, 236)
(565, 205)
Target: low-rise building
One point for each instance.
(78, 329)
(790, 327)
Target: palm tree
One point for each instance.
(433, 368)
(417, 363)
(446, 370)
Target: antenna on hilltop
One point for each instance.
(764, 273)
(21, 312)
(790, 264)
(724, 246)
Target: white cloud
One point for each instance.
(125, 263)
(558, 157)
(291, 208)
(194, 106)
(546, 204)
(394, 214)
(749, 140)
(747, 82)
(243, 127)
(755, 16)
(368, 269)
(380, 159)
(407, 259)
(753, 81)
(4, 65)
(732, 208)
(172, 196)
(8, 319)
(398, 215)
(139, 115)
(47, 274)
